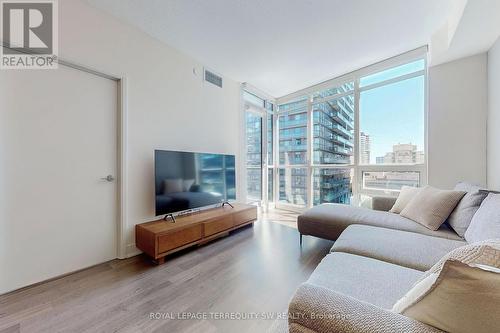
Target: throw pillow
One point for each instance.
(458, 299)
(405, 195)
(431, 206)
(461, 216)
(485, 223)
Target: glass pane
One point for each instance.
(254, 184)
(249, 97)
(269, 106)
(293, 133)
(270, 132)
(392, 123)
(391, 73)
(333, 131)
(254, 155)
(349, 86)
(390, 180)
(270, 183)
(253, 139)
(293, 186)
(299, 105)
(332, 186)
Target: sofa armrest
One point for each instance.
(314, 308)
(383, 203)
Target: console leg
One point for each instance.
(160, 261)
(300, 240)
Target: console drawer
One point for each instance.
(215, 226)
(245, 216)
(178, 238)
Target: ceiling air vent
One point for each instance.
(213, 78)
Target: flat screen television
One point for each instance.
(188, 180)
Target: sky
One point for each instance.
(394, 113)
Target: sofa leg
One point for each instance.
(300, 240)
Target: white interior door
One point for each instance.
(58, 140)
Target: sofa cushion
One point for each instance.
(413, 250)
(459, 298)
(369, 280)
(486, 222)
(329, 220)
(461, 216)
(317, 309)
(382, 203)
(405, 196)
(432, 206)
(483, 253)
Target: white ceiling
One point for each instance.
(478, 28)
(281, 46)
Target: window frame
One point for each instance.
(308, 93)
(263, 111)
(357, 181)
(412, 167)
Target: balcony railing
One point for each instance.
(335, 113)
(287, 123)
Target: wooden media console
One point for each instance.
(160, 238)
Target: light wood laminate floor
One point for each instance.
(254, 270)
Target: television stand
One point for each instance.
(158, 239)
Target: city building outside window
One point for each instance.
(344, 140)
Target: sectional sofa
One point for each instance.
(376, 259)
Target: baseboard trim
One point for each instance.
(132, 250)
(57, 277)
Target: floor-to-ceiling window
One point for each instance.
(293, 153)
(270, 150)
(392, 128)
(253, 137)
(259, 148)
(347, 138)
(333, 146)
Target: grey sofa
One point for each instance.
(376, 258)
(330, 220)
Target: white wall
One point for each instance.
(494, 116)
(168, 106)
(457, 122)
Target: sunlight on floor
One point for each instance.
(283, 217)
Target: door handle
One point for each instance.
(108, 178)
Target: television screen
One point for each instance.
(186, 180)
